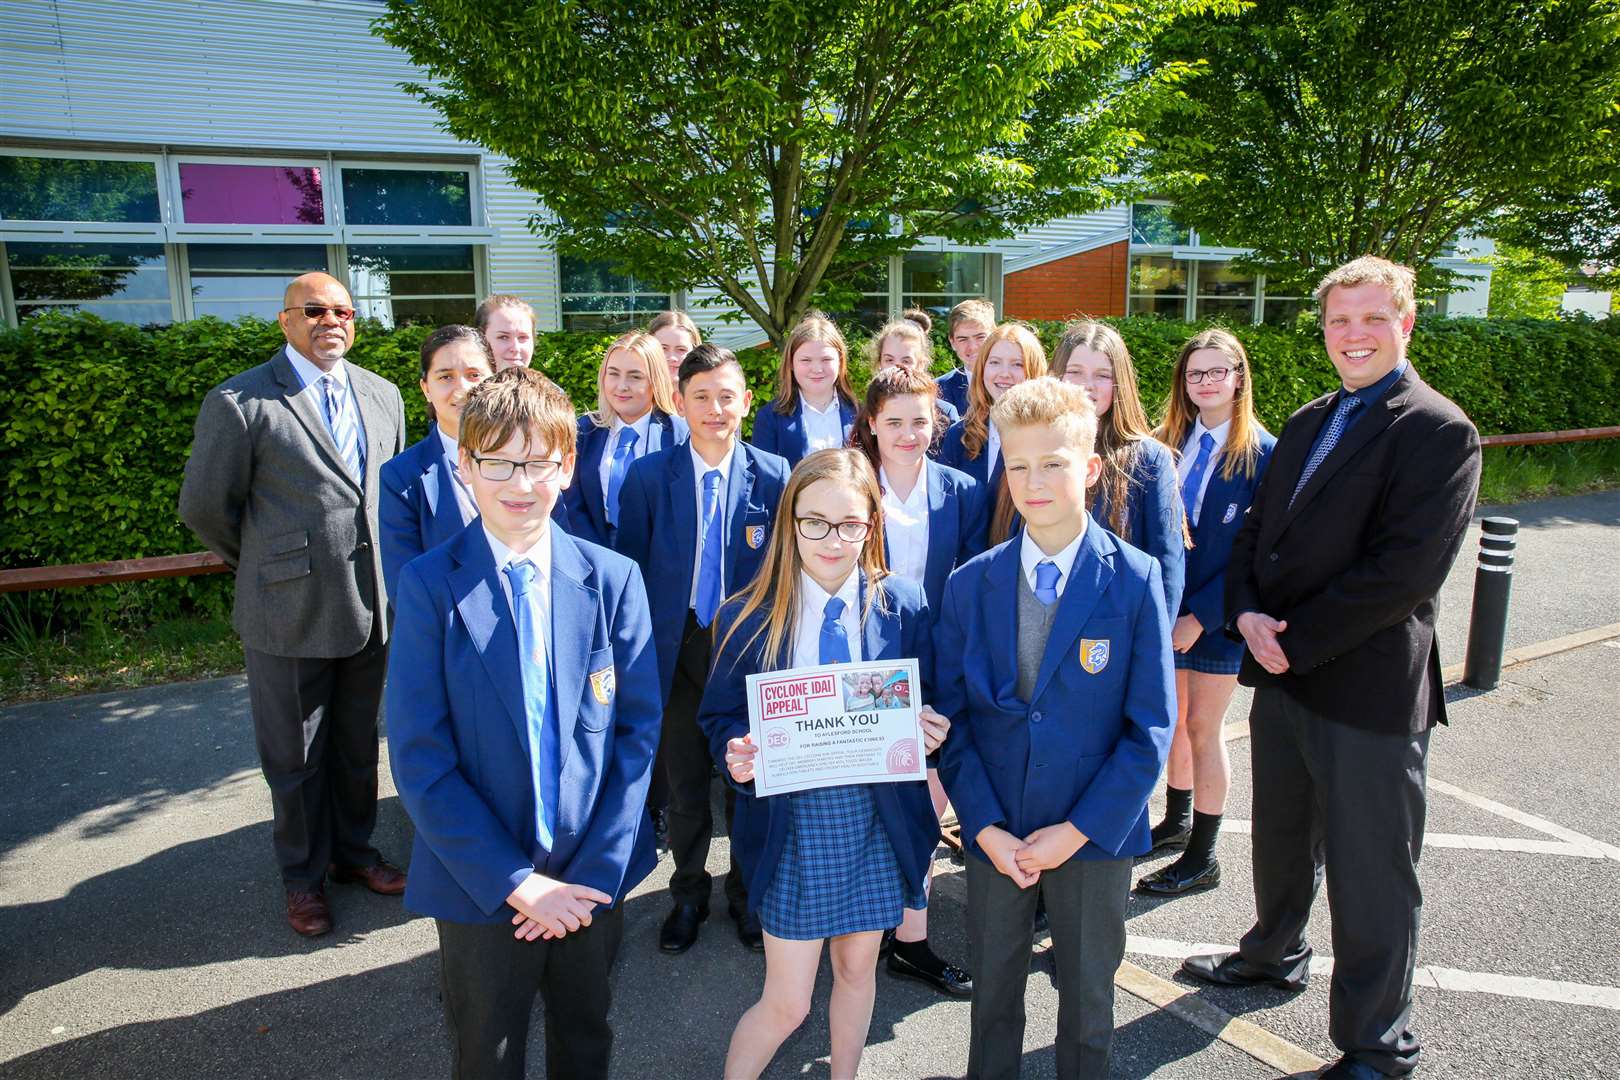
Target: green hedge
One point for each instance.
(100, 419)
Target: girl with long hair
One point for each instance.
(814, 404)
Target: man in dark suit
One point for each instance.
(282, 485)
(1333, 582)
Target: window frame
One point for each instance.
(477, 212)
(44, 231)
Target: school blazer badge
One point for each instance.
(1231, 512)
(602, 684)
(1094, 654)
(755, 535)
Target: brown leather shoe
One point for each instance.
(308, 913)
(383, 878)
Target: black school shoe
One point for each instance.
(680, 929)
(749, 931)
(948, 979)
(1175, 880)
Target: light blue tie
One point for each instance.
(834, 638)
(708, 585)
(345, 428)
(1335, 428)
(623, 455)
(539, 703)
(1046, 579)
(1195, 478)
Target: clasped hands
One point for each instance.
(548, 908)
(740, 753)
(1260, 633)
(1047, 848)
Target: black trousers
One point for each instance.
(315, 722)
(689, 769)
(489, 981)
(1350, 802)
(1085, 907)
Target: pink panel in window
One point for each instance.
(251, 195)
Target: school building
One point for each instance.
(162, 160)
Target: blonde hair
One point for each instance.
(518, 399)
(1400, 280)
(814, 327)
(646, 348)
(680, 320)
(978, 310)
(906, 329)
(775, 589)
(975, 427)
(492, 304)
(1122, 429)
(1241, 453)
(1043, 402)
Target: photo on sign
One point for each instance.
(865, 690)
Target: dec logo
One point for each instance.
(777, 738)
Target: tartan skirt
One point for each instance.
(838, 873)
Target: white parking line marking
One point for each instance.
(1528, 820)
(1581, 850)
(1436, 978)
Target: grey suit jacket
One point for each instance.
(266, 490)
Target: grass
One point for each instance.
(1519, 473)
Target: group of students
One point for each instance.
(577, 604)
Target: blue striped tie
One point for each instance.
(1047, 576)
(1195, 476)
(834, 643)
(345, 430)
(623, 455)
(1330, 438)
(539, 704)
(709, 565)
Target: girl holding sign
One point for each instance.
(834, 863)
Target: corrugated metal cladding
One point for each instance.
(519, 263)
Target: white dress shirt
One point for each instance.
(1030, 555)
(1189, 455)
(992, 448)
(463, 492)
(823, 428)
(699, 467)
(540, 591)
(643, 428)
(905, 526)
(812, 613)
(310, 373)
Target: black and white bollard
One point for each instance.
(1487, 625)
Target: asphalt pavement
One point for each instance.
(141, 930)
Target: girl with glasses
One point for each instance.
(1222, 453)
(835, 864)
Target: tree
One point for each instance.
(1525, 284)
(776, 150)
(1326, 129)
(1580, 230)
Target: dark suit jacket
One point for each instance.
(458, 733)
(761, 825)
(584, 499)
(658, 528)
(784, 436)
(266, 489)
(1355, 564)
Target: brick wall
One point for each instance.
(1090, 283)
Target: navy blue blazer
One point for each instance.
(953, 387)
(416, 505)
(784, 435)
(1088, 746)
(1226, 502)
(585, 500)
(1154, 517)
(952, 453)
(958, 520)
(458, 736)
(761, 825)
(658, 528)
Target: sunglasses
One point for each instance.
(317, 312)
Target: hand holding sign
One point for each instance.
(740, 759)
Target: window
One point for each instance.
(431, 284)
(229, 281)
(871, 308)
(1153, 226)
(407, 197)
(1225, 292)
(223, 194)
(1158, 286)
(1283, 310)
(119, 282)
(77, 189)
(937, 281)
(594, 297)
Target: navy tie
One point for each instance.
(1046, 579)
(708, 583)
(1195, 478)
(834, 639)
(539, 704)
(623, 455)
(1330, 438)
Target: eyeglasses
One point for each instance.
(317, 312)
(539, 470)
(851, 532)
(1214, 374)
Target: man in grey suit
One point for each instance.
(282, 485)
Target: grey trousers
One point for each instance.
(1085, 907)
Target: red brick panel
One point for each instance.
(1090, 283)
